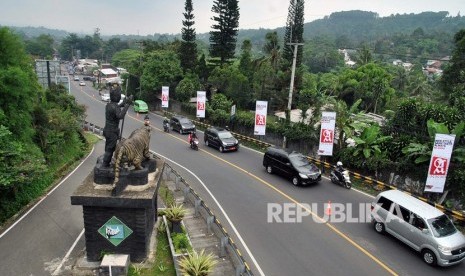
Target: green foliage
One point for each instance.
(453, 78)
(42, 46)
(160, 68)
(187, 87)
(180, 242)
(20, 163)
(127, 58)
(197, 264)
(225, 28)
(294, 31)
(175, 212)
(220, 102)
(230, 81)
(188, 49)
(369, 141)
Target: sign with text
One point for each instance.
(328, 122)
(261, 108)
(439, 164)
(201, 99)
(165, 96)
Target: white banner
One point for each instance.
(328, 122)
(165, 96)
(260, 117)
(201, 99)
(439, 164)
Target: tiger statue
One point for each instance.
(133, 150)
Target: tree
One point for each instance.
(160, 68)
(453, 78)
(245, 62)
(187, 87)
(272, 49)
(363, 56)
(294, 31)
(223, 36)
(231, 82)
(188, 49)
(19, 90)
(42, 46)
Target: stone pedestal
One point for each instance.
(120, 224)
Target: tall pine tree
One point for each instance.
(223, 36)
(294, 31)
(188, 49)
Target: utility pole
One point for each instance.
(291, 87)
(140, 65)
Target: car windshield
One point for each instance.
(184, 121)
(442, 226)
(225, 135)
(299, 160)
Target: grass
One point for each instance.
(163, 264)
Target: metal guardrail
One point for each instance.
(456, 214)
(214, 226)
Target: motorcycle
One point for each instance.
(195, 144)
(166, 127)
(341, 178)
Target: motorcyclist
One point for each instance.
(166, 123)
(339, 169)
(191, 138)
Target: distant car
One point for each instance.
(82, 83)
(140, 106)
(106, 97)
(76, 78)
(294, 166)
(181, 124)
(221, 139)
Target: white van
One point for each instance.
(419, 225)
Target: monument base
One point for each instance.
(120, 224)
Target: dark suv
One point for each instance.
(182, 124)
(220, 138)
(294, 166)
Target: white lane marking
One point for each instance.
(33, 207)
(68, 253)
(222, 210)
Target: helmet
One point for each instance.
(339, 163)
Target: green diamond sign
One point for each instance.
(115, 231)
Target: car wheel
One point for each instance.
(379, 227)
(429, 257)
(295, 181)
(269, 169)
(221, 149)
(206, 142)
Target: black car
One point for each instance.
(182, 124)
(294, 166)
(220, 138)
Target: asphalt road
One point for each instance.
(243, 188)
(239, 183)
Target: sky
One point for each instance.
(147, 17)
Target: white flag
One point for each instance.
(165, 96)
(201, 99)
(328, 122)
(260, 117)
(439, 164)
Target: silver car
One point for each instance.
(419, 225)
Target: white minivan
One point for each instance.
(419, 225)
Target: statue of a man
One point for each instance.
(114, 112)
